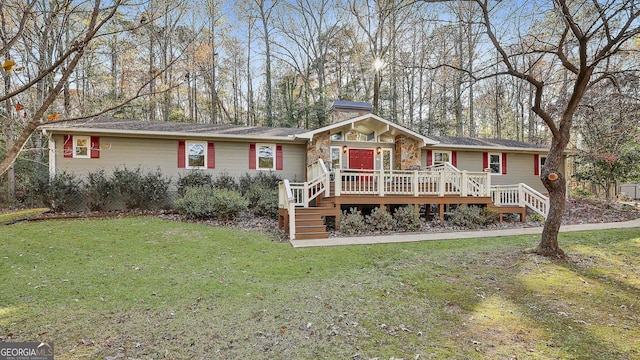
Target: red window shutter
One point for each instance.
(211, 156)
(279, 157)
(504, 163)
(95, 147)
(252, 156)
(536, 164)
(182, 154)
(454, 158)
(67, 146)
(429, 157)
(485, 160)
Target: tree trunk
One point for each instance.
(555, 183)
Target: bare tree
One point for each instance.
(585, 39)
(55, 70)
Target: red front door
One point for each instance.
(361, 159)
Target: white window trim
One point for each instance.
(75, 146)
(273, 152)
(186, 154)
(499, 163)
(339, 150)
(540, 157)
(433, 160)
(390, 151)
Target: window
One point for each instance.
(355, 135)
(337, 136)
(196, 155)
(441, 157)
(386, 139)
(266, 157)
(386, 159)
(336, 157)
(81, 146)
(539, 163)
(495, 163)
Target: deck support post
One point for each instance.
(441, 211)
(337, 183)
(464, 179)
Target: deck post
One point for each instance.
(291, 210)
(464, 179)
(327, 184)
(441, 185)
(496, 201)
(337, 183)
(521, 195)
(488, 189)
(381, 182)
(305, 195)
(416, 188)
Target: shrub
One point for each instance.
(535, 217)
(491, 216)
(407, 218)
(128, 184)
(63, 192)
(139, 191)
(380, 220)
(225, 181)
(352, 222)
(263, 201)
(194, 178)
(207, 202)
(470, 217)
(99, 191)
(581, 194)
(267, 178)
(156, 188)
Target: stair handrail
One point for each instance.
(534, 200)
(318, 185)
(288, 201)
(521, 195)
(445, 166)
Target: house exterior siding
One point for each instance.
(155, 153)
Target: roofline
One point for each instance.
(477, 147)
(309, 134)
(165, 134)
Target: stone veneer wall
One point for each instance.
(342, 115)
(407, 153)
(319, 148)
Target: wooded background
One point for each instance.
(428, 66)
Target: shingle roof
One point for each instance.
(486, 143)
(221, 130)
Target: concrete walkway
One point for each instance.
(413, 237)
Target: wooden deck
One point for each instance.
(303, 206)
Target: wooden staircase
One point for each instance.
(310, 224)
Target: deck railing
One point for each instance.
(304, 192)
(520, 195)
(412, 183)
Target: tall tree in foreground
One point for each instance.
(587, 39)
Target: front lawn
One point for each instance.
(146, 288)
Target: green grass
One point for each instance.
(146, 288)
(14, 216)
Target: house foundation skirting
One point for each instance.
(330, 206)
